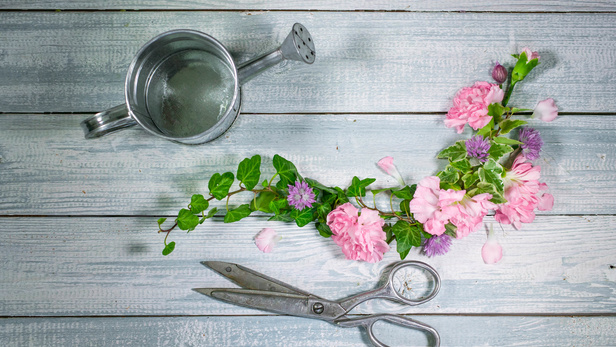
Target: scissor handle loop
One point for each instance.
(416, 264)
(368, 321)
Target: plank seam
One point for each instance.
(74, 10)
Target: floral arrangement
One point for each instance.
(488, 172)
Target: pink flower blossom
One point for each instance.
(432, 206)
(523, 193)
(530, 55)
(360, 237)
(387, 164)
(471, 106)
(491, 252)
(471, 211)
(546, 110)
(267, 239)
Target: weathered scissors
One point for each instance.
(265, 293)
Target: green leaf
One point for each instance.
(277, 205)
(198, 203)
(497, 197)
(491, 177)
(486, 131)
(286, 170)
(509, 124)
(219, 185)
(317, 185)
(463, 165)
(303, 217)
(210, 214)
(377, 191)
(515, 109)
(506, 141)
(358, 187)
(169, 248)
(497, 150)
(451, 230)
(453, 153)
(281, 218)
(406, 193)
(450, 175)
(249, 171)
(469, 179)
(187, 220)
(404, 206)
(404, 254)
(265, 184)
(523, 67)
(262, 202)
(407, 236)
(342, 198)
(324, 229)
(496, 110)
(492, 165)
(238, 213)
(323, 210)
(161, 221)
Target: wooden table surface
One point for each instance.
(81, 259)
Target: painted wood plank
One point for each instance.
(382, 5)
(286, 331)
(47, 167)
(366, 61)
(113, 266)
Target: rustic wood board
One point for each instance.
(92, 266)
(47, 167)
(286, 331)
(366, 61)
(376, 5)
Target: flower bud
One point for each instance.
(499, 74)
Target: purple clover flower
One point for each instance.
(531, 143)
(437, 245)
(477, 147)
(300, 195)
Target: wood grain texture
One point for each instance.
(382, 5)
(47, 167)
(366, 61)
(113, 266)
(287, 331)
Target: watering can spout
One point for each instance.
(298, 46)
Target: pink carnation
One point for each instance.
(471, 106)
(523, 193)
(471, 211)
(530, 55)
(360, 237)
(433, 207)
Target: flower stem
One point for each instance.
(508, 93)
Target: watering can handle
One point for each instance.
(298, 45)
(108, 121)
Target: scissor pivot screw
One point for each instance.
(228, 269)
(318, 308)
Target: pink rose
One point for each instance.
(546, 110)
(471, 106)
(267, 239)
(360, 237)
(342, 219)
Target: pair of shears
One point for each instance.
(265, 293)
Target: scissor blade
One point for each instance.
(250, 279)
(291, 304)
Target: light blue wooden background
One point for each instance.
(81, 262)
